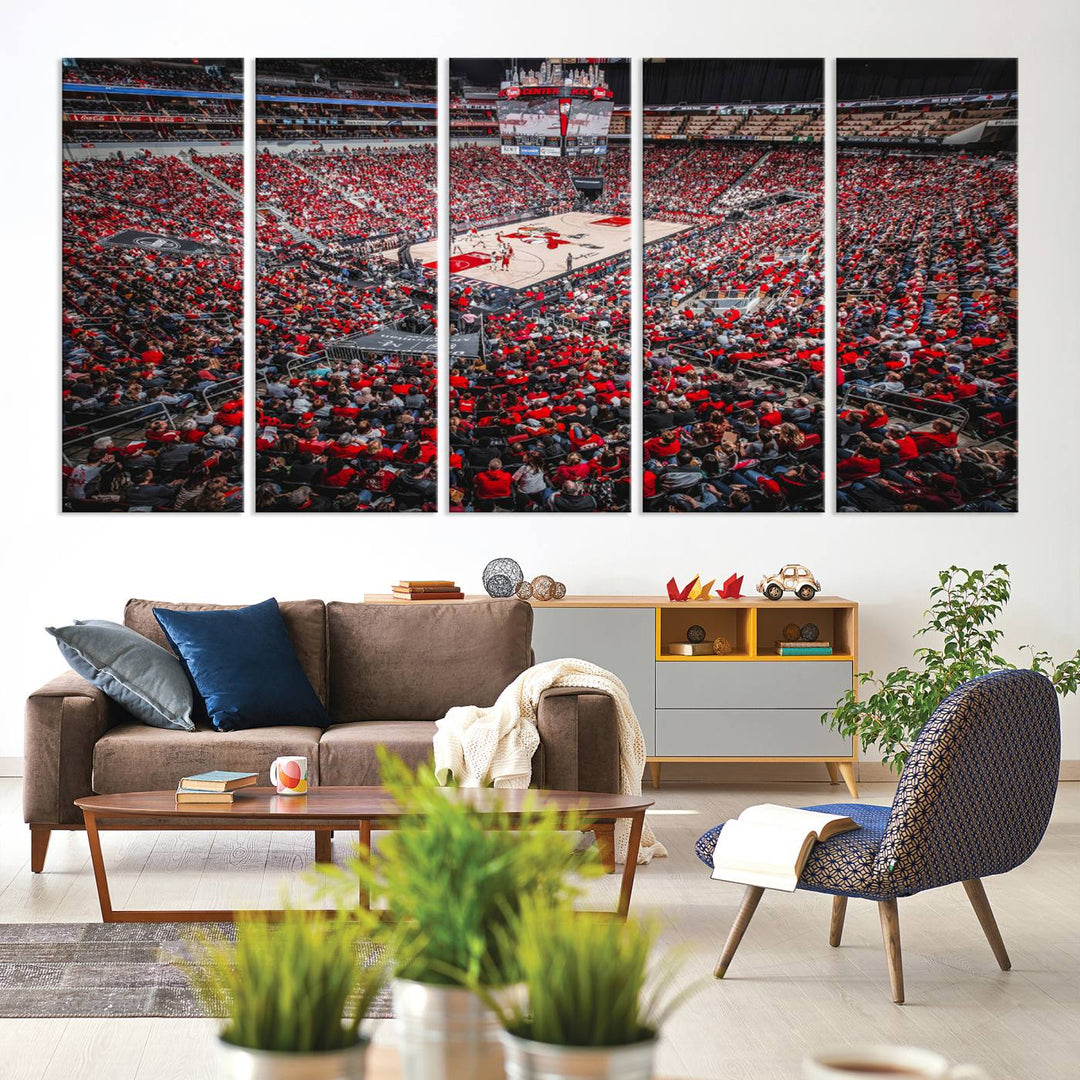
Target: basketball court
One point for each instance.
(540, 247)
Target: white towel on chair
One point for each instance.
(496, 745)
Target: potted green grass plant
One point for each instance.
(964, 608)
(293, 993)
(453, 879)
(592, 1004)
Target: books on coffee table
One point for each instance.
(768, 845)
(216, 786)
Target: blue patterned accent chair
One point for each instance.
(974, 799)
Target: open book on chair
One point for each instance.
(768, 845)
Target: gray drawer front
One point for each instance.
(622, 640)
(766, 684)
(746, 733)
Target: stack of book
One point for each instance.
(804, 648)
(427, 590)
(213, 787)
(687, 648)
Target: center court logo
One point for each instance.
(157, 243)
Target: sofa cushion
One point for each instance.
(304, 619)
(244, 666)
(347, 751)
(133, 757)
(414, 662)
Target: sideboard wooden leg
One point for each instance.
(847, 771)
(834, 772)
(654, 769)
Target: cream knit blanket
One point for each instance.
(495, 746)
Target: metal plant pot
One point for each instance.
(445, 1033)
(528, 1060)
(239, 1063)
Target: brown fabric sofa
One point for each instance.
(385, 672)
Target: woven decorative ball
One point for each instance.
(791, 632)
(721, 646)
(543, 587)
(810, 632)
(695, 634)
(560, 591)
(524, 590)
(501, 577)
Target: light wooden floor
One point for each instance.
(786, 992)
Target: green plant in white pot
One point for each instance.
(592, 1005)
(293, 993)
(452, 879)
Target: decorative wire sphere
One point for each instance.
(791, 632)
(543, 587)
(524, 590)
(810, 632)
(502, 577)
(695, 634)
(721, 646)
(560, 591)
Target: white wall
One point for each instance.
(61, 567)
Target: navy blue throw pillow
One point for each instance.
(244, 666)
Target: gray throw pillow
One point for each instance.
(144, 678)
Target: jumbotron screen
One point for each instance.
(553, 120)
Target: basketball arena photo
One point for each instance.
(346, 348)
(153, 232)
(734, 280)
(927, 292)
(540, 219)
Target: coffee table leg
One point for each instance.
(99, 867)
(637, 822)
(322, 846)
(365, 856)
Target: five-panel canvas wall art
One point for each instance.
(749, 318)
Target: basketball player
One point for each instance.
(508, 254)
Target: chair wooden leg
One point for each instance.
(890, 934)
(977, 895)
(747, 908)
(39, 844)
(836, 923)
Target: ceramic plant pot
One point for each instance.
(239, 1063)
(528, 1060)
(445, 1033)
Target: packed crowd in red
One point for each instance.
(927, 331)
(152, 341)
(162, 74)
(332, 434)
(734, 331)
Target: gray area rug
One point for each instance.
(108, 969)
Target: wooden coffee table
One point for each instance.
(323, 810)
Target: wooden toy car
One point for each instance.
(791, 578)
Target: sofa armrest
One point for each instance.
(64, 719)
(579, 734)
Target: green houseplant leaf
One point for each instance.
(296, 985)
(964, 607)
(453, 878)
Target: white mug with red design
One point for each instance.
(289, 775)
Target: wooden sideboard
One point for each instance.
(748, 705)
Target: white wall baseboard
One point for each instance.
(727, 772)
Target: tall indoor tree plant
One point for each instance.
(453, 880)
(964, 608)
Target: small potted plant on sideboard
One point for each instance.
(293, 993)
